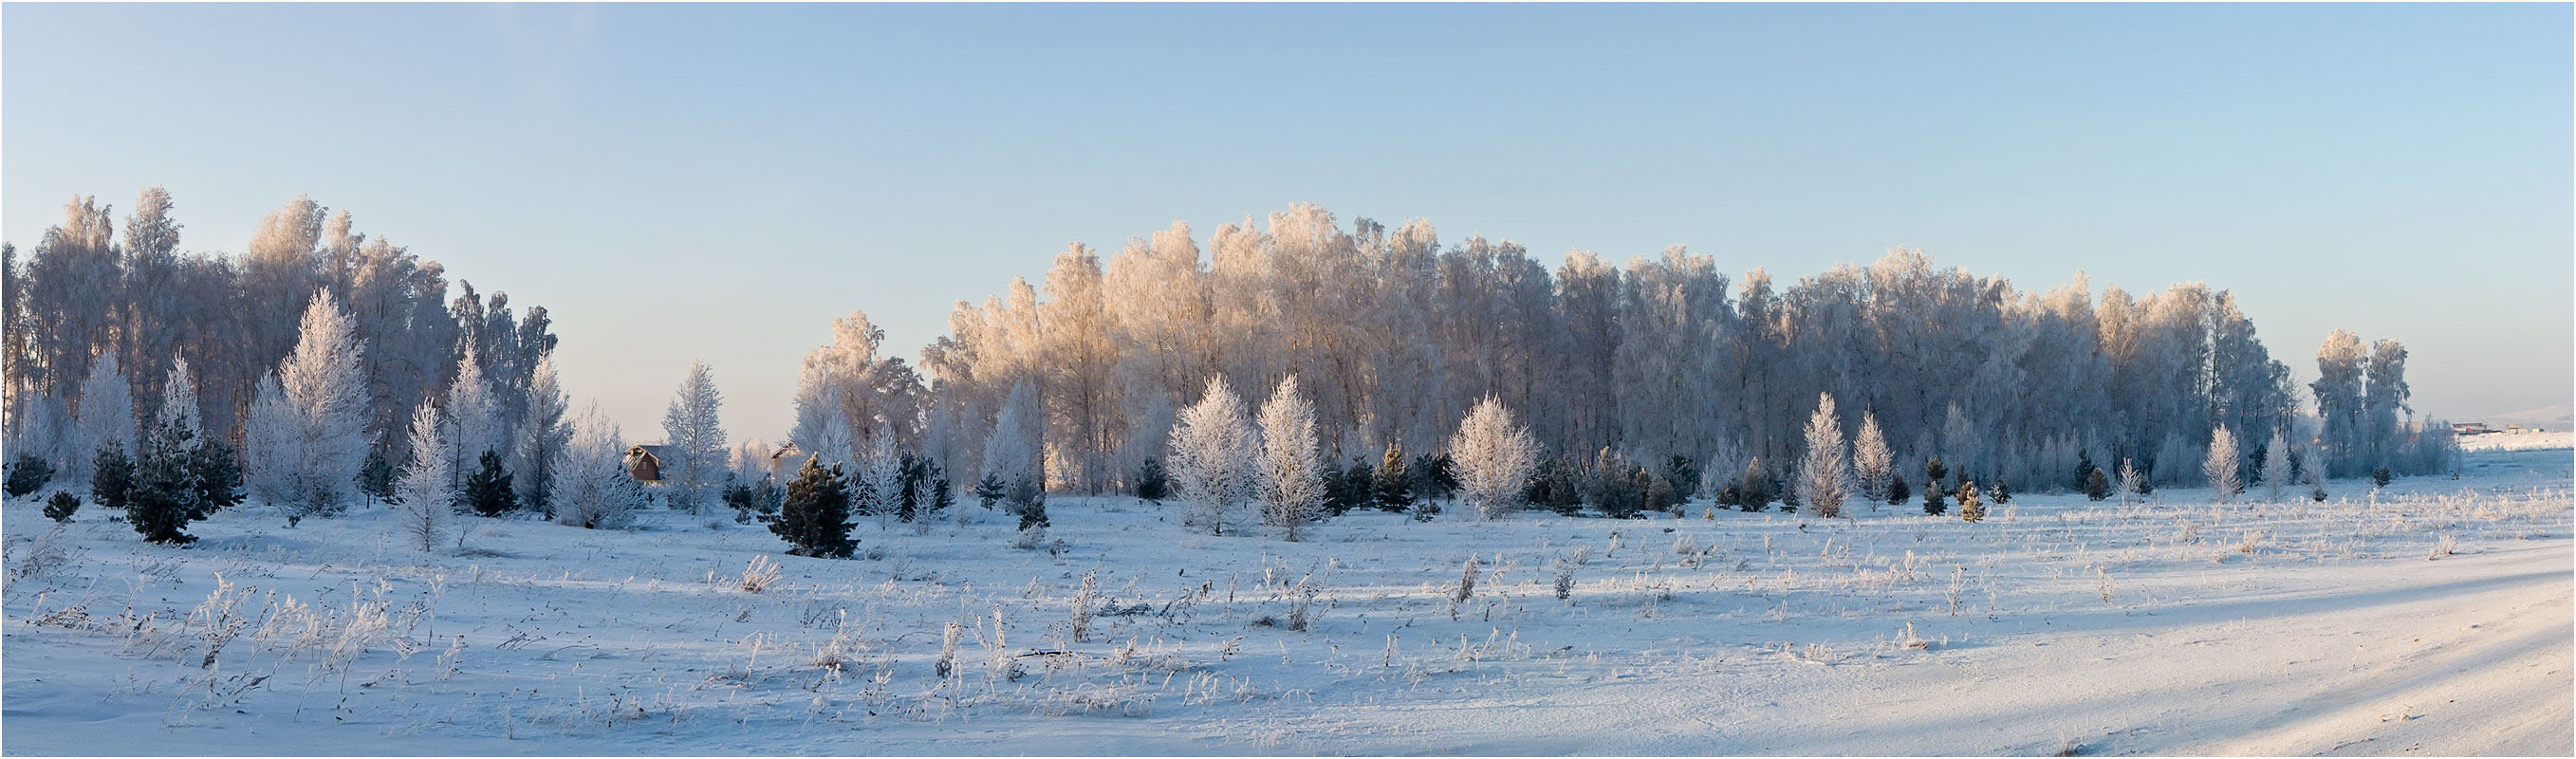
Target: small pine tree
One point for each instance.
(376, 477)
(1394, 483)
(27, 474)
(2084, 471)
(1028, 501)
(2097, 486)
(111, 476)
(1553, 486)
(988, 491)
(2379, 476)
(60, 507)
(1660, 495)
(1682, 475)
(1933, 504)
(177, 481)
(1435, 476)
(814, 519)
(740, 497)
(1897, 492)
(1613, 485)
(1970, 507)
(1332, 485)
(2003, 492)
(1152, 483)
(1753, 493)
(1350, 488)
(1934, 470)
(488, 491)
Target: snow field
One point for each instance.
(2519, 440)
(2430, 617)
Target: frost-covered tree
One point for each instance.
(2341, 409)
(592, 490)
(105, 416)
(1291, 483)
(849, 380)
(1213, 453)
(310, 425)
(1495, 456)
(1012, 451)
(1871, 460)
(876, 478)
(695, 436)
(834, 443)
(425, 495)
(2221, 464)
(268, 439)
(543, 435)
(1824, 476)
(2276, 467)
(2382, 403)
(473, 418)
(179, 402)
(2132, 483)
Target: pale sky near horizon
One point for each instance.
(719, 182)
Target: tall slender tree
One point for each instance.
(425, 496)
(694, 434)
(1824, 475)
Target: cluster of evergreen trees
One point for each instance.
(815, 510)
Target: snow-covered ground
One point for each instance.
(2432, 618)
(2519, 440)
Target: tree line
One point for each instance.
(1664, 365)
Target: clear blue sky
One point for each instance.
(719, 182)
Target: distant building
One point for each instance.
(2470, 428)
(644, 462)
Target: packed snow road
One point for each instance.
(2432, 617)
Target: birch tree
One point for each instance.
(426, 493)
(696, 438)
(1212, 469)
(1291, 481)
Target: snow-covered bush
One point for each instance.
(594, 490)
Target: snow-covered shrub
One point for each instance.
(593, 490)
(758, 575)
